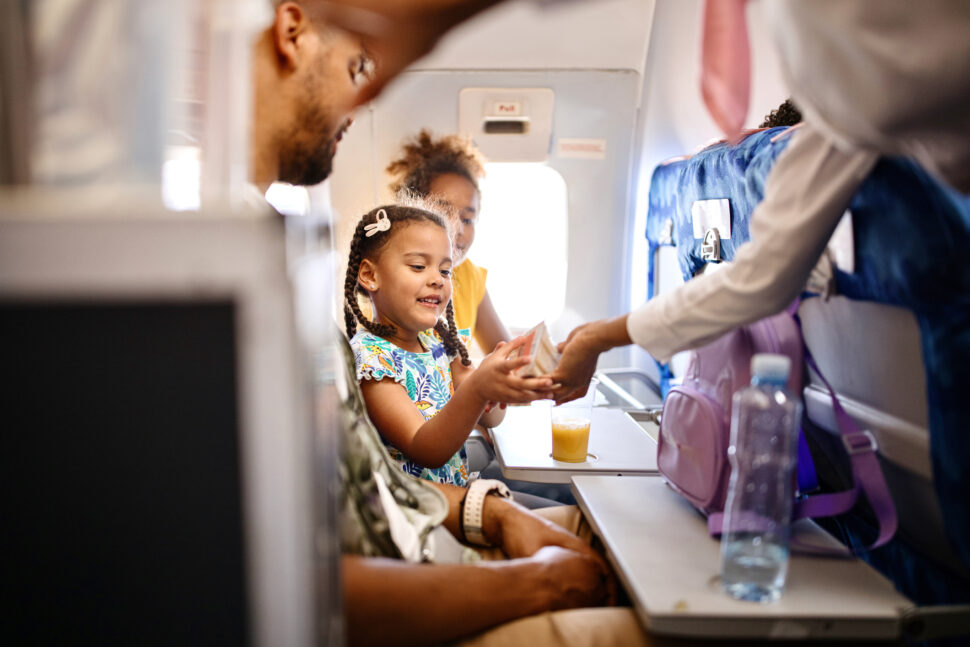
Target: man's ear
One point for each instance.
(291, 23)
(367, 275)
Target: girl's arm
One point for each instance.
(431, 443)
(489, 329)
(491, 418)
(426, 442)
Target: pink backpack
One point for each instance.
(695, 426)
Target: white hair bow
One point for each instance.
(383, 223)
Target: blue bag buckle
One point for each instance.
(859, 442)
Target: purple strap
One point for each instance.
(866, 473)
(867, 476)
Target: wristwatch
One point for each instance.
(474, 503)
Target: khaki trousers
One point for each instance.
(597, 627)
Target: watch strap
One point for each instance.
(473, 507)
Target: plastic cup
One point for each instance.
(570, 427)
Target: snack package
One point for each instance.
(543, 352)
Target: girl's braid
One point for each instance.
(352, 312)
(449, 335)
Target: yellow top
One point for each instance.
(468, 290)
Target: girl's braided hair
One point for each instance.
(363, 246)
(425, 158)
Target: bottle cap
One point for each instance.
(770, 366)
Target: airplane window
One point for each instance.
(521, 239)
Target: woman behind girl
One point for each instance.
(447, 170)
(401, 257)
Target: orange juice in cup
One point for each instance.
(570, 439)
(570, 427)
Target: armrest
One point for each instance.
(608, 377)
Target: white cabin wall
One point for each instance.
(673, 118)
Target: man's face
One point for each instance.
(322, 108)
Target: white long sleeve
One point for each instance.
(806, 193)
(885, 75)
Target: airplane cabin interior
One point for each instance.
(183, 423)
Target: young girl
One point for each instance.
(432, 398)
(448, 170)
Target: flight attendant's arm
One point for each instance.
(806, 194)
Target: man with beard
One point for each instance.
(307, 77)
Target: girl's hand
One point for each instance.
(495, 379)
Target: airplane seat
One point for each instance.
(899, 343)
(166, 449)
(895, 344)
(721, 184)
(871, 354)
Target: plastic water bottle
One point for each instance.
(755, 533)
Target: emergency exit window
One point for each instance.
(521, 239)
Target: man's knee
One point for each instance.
(599, 627)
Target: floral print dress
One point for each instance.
(427, 379)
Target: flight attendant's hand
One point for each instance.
(580, 353)
(576, 367)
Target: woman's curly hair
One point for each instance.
(425, 158)
(784, 115)
(363, 246)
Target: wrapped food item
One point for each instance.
(542, 351)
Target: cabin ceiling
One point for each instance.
(525, 34)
